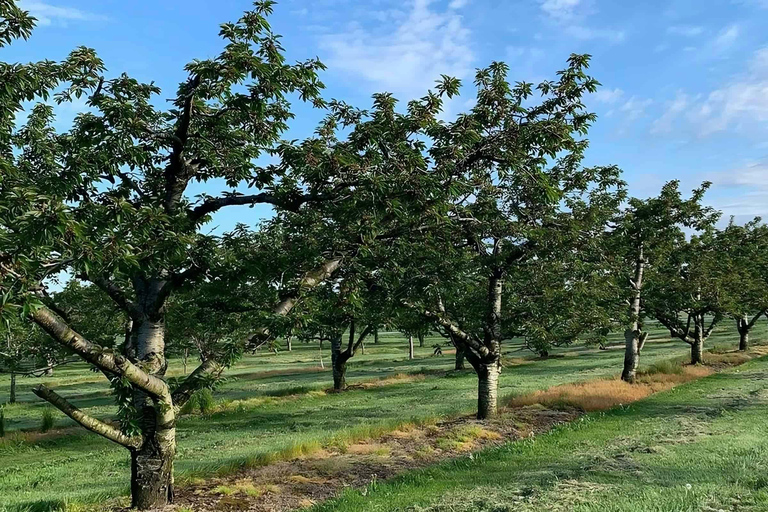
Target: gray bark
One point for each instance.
(633, 335)
(376, 336)
(697, 347)
(460, 357)
(742, 324)
(631, 355)
(12, 398)
(410, 347)
(697, 351)
(151, 476)
(338, 364)
(288, 341)
(488, 390)
(421, 339)
(152, 463)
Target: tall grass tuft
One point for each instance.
(47, 420)
(202, 401)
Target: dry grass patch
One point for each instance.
(400, 378)
(465, 438)
(599, 395)
(377, 449)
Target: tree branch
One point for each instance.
(214, 204)
(209, 370)
(87, 422)
(103, 359)
(117, 295)
(310, 280)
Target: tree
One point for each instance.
(105, 201)
(743, 262)
(687, 285)
(516, 200)
(644, 235)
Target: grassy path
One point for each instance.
(702, 446)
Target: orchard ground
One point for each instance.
(275, 406)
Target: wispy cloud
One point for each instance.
(743, 191)
(562, 10)
(635, 107)
(740, 104)
(608, 96)
(428, 42)
(726, 38)
(675, 108)
(48, 14)
(685, 30)
(571, 16)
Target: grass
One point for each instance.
(701, 446)
(47, 421)
(274, 407)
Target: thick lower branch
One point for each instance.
(209, 370)
(87, 422)
(103, 359)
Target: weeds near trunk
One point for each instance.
(201, 401)
(47, 420)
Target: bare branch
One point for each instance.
(214, 204)
(310, 280)
(210, 369)
(104, 359)
(88, 422)
(117, 295)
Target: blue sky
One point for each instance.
(685, 82)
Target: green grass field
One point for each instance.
(272, 403)
(702, 446)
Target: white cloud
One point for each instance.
(48, 14)
(457, 4)
(685, 30)
(743, 191)
(571, 15)
(674, 109)
(634, 108)
(726, 37)
(740, 104)
(561, 10)
(408, 59)
(608, 96)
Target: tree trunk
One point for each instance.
(633, 336)
(744, 341)
(421, 339)
(631, 355)
(459, 363)
(697, 351)
(742, 324)
(410, 347)
(152, 464)
(151, 476)
(376, 336)
(339, 364)
(12, 398)
(488, 390)
(288, 343)
(185, 359)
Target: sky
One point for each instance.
(684, 82)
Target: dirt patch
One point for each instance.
(324, 474)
